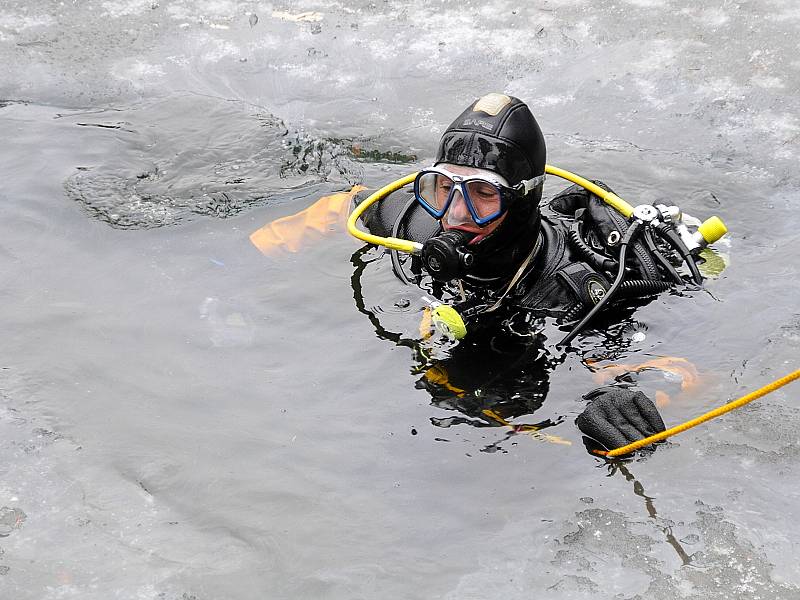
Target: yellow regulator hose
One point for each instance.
(609, 198)
(703, 418)
(389, 242)
(414, 247)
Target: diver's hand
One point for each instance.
(616, 417)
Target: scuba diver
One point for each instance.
(483, 246)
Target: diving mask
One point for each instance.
(485, 194)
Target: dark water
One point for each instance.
(185, 418)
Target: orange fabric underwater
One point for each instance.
(683, 371)
(291, 232)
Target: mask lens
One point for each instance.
(485, 198)
(433, 190)
(440, 194)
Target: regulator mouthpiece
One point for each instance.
(445, 256)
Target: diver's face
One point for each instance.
(458, 215)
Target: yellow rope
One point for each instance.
(703, 418)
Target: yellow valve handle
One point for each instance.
(712, 229)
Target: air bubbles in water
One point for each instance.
(228, 327)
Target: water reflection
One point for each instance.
(617, 466)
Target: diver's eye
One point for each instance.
(483, 190)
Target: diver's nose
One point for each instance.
(458, 213)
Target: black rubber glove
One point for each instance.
(616, 417)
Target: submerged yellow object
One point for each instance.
(438, 376)
(533, 430)
(713, 264)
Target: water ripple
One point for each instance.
(161, 168)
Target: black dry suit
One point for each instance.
(575, 247)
